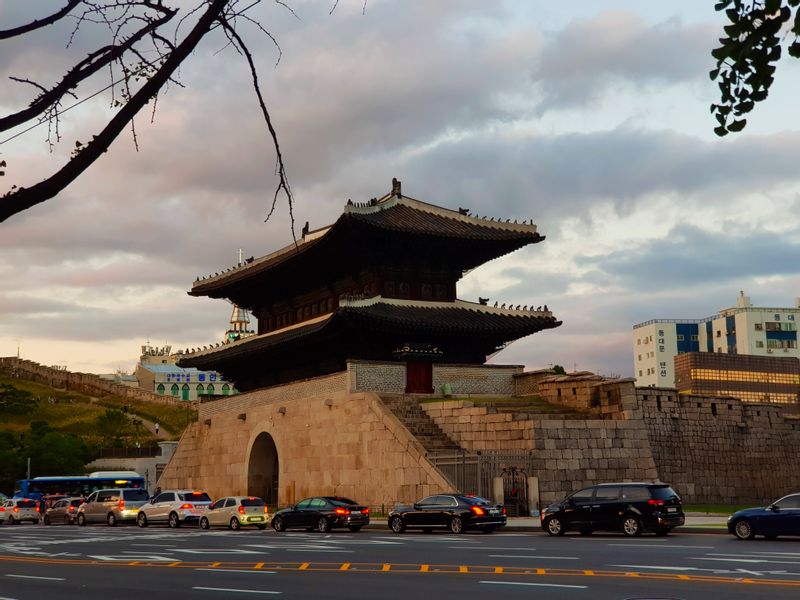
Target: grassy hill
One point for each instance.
(76, 413)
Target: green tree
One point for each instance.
(749, 52)
(14, 401)
(559, 370)
(57, 453)
(12, 464)
(113, 426)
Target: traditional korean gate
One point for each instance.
(515, 490)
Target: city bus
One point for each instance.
(69, 485)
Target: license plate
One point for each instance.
(255, 519)
(672, 509)
(493, 511)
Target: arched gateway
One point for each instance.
(262, 470)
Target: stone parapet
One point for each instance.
(85, 383)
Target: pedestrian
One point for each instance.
(157, 428)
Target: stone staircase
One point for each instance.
(417, 421)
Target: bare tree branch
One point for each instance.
(24, 198)
(39, 23)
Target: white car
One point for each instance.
(174, 507)
(17, 510)
(236, 512)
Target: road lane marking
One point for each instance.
(213, 589)
(664, 546)
(529, 556)
(556, 585)
(36, 577)
(214, 570)
(526, 549)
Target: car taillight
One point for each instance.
(241, 509)
(2, 509)
(37, 509)
(342, 511)
(365, 511)
(479, 512)
(504, 510)
(266, 510)
(16, 509)
(121, 504)
(655, 502)
(71, 509)
(185, 506)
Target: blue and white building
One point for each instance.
(742, 329)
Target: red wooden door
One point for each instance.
(419, 377)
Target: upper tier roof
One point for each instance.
(371, 221)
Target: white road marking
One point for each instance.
(529, 556)
(525, 549)
(133, 557)
(234, 571)
(664, 546)
(749, 560)
(556, 585)
(213, 589)
(36, 577)
(328, 550)
(215, 551)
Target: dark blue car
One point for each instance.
(779, 518)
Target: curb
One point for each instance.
(536, 529)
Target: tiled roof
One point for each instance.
(392, 213)
(415, 317)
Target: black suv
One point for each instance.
(627, 507)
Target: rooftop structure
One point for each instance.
(378, 284)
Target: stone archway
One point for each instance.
(262, 470)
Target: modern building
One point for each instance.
(158, 372)
(741, 329)
(747, 377)
(379, 284)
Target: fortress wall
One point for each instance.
(722, 450)
(353, 447)
(568, 453)
(85, 383)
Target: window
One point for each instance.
(318, 503)
(607, 494)
(230, 502)
(640, 357)
(759, 327)
(638, 341)
(680, 337)
(640, 372)
(218, 504)
(789, 502)
(160, 389)
(165, 497)
(719, 333)
(663, 365)
(695, 337)
(304, 504)
(583, 495)
(759, 344)
(635, 494)
(661, 332)
(174, 390)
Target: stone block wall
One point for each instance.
(721, 450)
(592, 394)
(85, 383)
(567, 453)
(464, 380)
(329, 442)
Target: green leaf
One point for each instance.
(737, 125)
(721, 131)
(724, 4)
(714, 72)
(794, 50)
(772, 6)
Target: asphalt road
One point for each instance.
(101, 562)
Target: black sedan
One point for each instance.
(779, 518)
(455, 512)
(322, 513)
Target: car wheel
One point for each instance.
(586, 532)
(632, 526)
(46, 520)
(234, 524)
(111, 520)
(81, 520)
(278, 524)
(141, 519)
(554, 526)
(397, 525)
(743, 530)
(456, 525)
(323, 525)
(204, 524)
(174, 521)
(355, 528)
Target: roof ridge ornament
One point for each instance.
(396, 188)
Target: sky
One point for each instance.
(590, 117)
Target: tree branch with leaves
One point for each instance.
(748, 55)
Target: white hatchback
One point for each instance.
(17, 510)
(236, 512)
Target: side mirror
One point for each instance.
(416, 506)
(152, 500)
(774, 507)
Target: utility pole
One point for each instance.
(28, 474)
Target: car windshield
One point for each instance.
(663, 493)
(195, 497)
(341, 501)
(252, 502)
(476, 500)
(27, 504)
(76, 502)
(135, 495)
